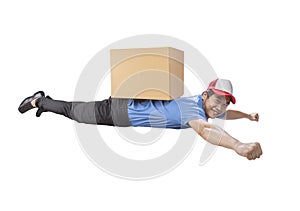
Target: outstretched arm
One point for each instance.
(232, 114)
(217, 136)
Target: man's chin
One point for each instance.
(212, 116)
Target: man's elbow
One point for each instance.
(201, 127)
(203, 132)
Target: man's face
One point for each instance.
(214, 105)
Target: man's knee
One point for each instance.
(84, 112)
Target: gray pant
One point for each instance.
(112, 111)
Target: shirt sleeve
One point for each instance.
(190, 110)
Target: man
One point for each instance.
(183, 112)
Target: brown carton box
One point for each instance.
(147, 73)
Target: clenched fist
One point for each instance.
(253, 117)
(249, 150)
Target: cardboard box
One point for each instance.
(147, 73)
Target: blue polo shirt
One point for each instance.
(165, 113)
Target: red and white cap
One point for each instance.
(222, 87)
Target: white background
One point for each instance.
(45, 46)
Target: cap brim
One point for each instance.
(222, 93)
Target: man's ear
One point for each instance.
(204, 95)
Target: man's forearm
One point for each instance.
(232, 114)
(220, 137)
(217, 136)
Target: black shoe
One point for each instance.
(41, 110)
(26, 103)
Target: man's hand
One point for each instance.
(253, 117)
(249, 150)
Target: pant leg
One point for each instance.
(94, 112)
